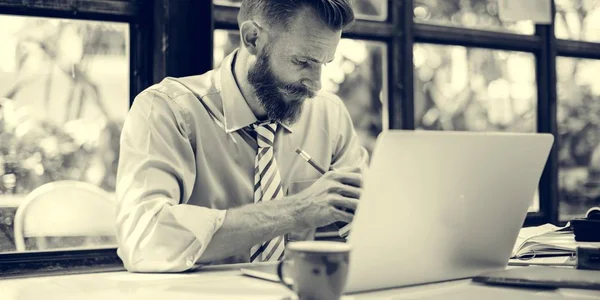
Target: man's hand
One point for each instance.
(324, 202)
(320, 204)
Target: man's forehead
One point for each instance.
(317, 55)
(306, 22)
(308, 38)
(308, 49)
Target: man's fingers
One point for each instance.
(349, 178)
(345, 190)
(350, 192)
(341, 202)
(342, 216)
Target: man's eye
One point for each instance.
(302, 63)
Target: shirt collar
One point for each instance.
(236, 112)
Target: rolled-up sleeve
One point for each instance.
(157, 171)
(349, 154)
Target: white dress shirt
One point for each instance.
(186, 158)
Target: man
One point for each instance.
(208, 171)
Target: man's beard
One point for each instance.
(270, 92)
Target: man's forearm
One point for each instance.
(246, 226)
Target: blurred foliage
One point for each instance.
(577, 20)
(356, 75)
(474, 14)
(574, 19)
(34, 152)
(459, 88)
(578, 113)
(55, 58)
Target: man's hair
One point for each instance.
(337, 14)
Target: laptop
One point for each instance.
(439, 206)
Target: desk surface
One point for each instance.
(227, 282)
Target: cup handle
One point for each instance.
(280, 274)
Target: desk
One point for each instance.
(226, 282)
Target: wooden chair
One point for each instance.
(64, 209)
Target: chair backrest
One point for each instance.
(64, 209)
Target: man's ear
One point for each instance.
(250, 33)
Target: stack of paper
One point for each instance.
(546, 240)
(542, 240)
(546, 260)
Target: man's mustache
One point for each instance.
(298, 92)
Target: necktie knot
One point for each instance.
(265, 134)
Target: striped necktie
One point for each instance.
(267, 187)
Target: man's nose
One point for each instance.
(314, 85)
(312, 81)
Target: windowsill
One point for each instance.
(59, 262)
(13, 201)
(61, 250)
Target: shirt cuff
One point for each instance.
(202, 222)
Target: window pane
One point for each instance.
(473, 14)
(474, 89)
(577, 20)
(64, 95)
(578, 111)
(358, 75)
(376, 10)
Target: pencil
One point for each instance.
(344, 231)
(309, 160)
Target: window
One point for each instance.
(578, 90)
(357, 75)
(511, 76)
(65, 87)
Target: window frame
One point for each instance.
(153, 57)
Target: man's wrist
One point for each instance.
(296, 210)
